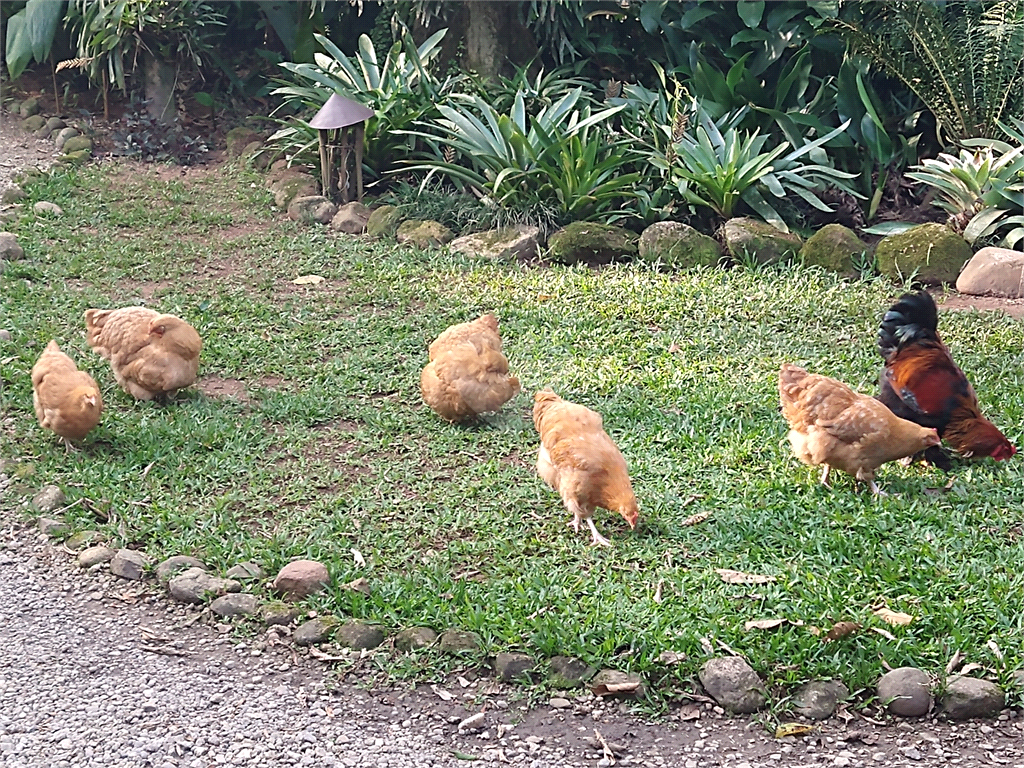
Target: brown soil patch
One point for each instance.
(959, 302)
(148, 290)
(219, 389)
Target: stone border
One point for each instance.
(729, 681)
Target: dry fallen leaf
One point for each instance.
(544, 297)
(359, 585)
(657, 591)
(689, 712)
(738, 577)
(894, 618)
(441, 692)
(700, 517)
(884, 633)
(610, 689)
(764, 624)
(792, 729)
(308, 280)
(841, 629)
(358, 556)
(995, 649)
(954, 662)
(669, 658)
(673, 348)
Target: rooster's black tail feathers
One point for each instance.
(913, 318)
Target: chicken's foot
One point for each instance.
(875, 489)
(825, 469)
(68, 446)
(598, 540)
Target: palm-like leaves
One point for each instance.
(717, 170)
(982, 189)
(560, 157)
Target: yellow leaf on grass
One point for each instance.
(894, 618)
(700, 517)
(764, 624)
(792, 729)
(308, 280)
(738, 577)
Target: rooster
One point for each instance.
(921, 383)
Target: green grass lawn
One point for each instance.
(328, 447)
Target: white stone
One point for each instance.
(993, 272)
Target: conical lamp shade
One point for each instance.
(340, 112)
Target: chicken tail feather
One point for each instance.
(913, 318)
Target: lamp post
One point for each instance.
(339, 115)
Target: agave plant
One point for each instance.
(982, 189)
(557, 158)
(400, 90)
(719, 170)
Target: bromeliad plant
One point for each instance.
(561, 159)
(400, 90)
(982, 189)
(721, 170)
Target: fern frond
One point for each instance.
(76, 63)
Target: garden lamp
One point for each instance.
(338, 115)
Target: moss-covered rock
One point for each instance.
(519, 242)
(33, 123)
(678, 245)
(585, 241)
(75, 158)
(833, 247)
(423, 234)
(239, 138)
(933, 251)
(291, 186)
(383, 221)
(750, 238)
(76, 144)
(29, 107)
(312, 208)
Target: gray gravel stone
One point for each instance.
(46, 208)
(357, 635)
(237, 604)
(128, 564)
(731, 682)
(83, 539)
(5, 335)
(314, 631)
(195, 585)
(245, 572)
(414, 638)
(174, 565)
(94, 556)
(10, 250)
(969, 697)
(458, 641)
(818, 699)
(513, 666)
(905, 691)
(276, 613)
(49, 498)
(567, 672)
(52, 527)
(12, 195)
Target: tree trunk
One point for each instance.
(489, 37)
(159, 82)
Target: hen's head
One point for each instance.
(991, 442)
(176, 335)
(87, 399)
(630, 513)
